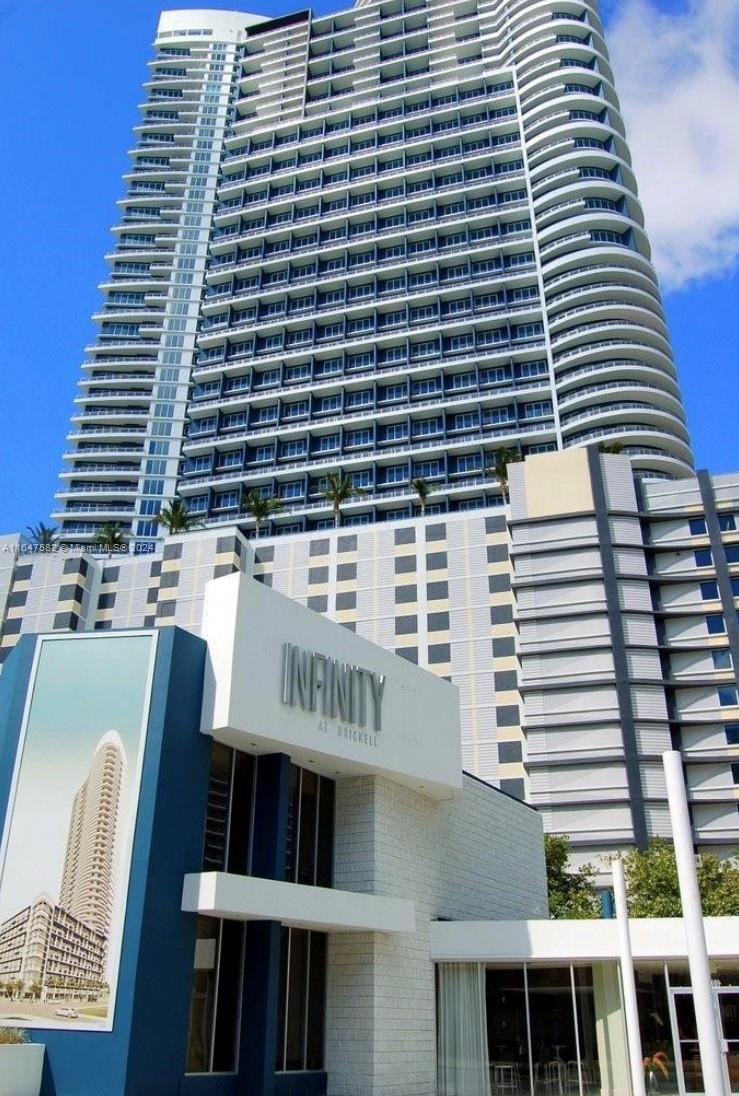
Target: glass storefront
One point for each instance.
(541, 1030)
(558, 1030)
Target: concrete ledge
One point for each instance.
(587, 941)
(246, 898)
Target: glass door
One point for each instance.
(685, 1037)
(685, 1034)
(728, 1004)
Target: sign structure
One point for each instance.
(68, 834)
(339, 690)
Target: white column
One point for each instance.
(709, 1040)
(628, 982)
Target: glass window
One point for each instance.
(326, 443)
(358, 437)
(301, 1024)
(552, 1023)
(215, 996)
(727, 696)
(732, 734)
(507, 1028)
(654, 1016)
(709, 590)
(359, 399)
(294, 448)
(703, 557)
(697, 527)
(715, 624)
(726, 523)
(721, 659)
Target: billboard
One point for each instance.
(67, 840)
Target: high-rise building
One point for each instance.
(126, 434)
(390, 241)
(89, 861)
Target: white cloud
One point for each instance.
(677, 75)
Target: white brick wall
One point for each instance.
(477, 857)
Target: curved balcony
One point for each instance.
(607, 349)
(586, 395)
(651, 450)
(548, 87)
(620, 371)
(587, 335)
(102, 489)
(586, 50)
(112, 396)
(549, 143)
(595, 293)
(576, 324)
(570, 271)
(586, 197)
(100, 469)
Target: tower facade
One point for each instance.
(424, 245)
(88, 876)
(126, 432)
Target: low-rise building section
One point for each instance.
(589, 626)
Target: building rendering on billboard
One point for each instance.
(68, 833)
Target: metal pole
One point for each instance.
(709, 1040)
(628, 982)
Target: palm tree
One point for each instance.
(176, 517)
(610, 447)
(338, 490)
(43, 536)
(110, 536)
(499, 468)
(260, 507)
(423, 489)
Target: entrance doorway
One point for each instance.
(685, 1037)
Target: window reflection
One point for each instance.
(215, 996)
(553, 1043)
(508, 1047)
(302, 1006)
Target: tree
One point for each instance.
(610, 447)
(176, 518)
(260, 507)
(110, 536)
(499, 468)
(572, 894)
(43, 536)
(338, 490)
(423, 489)
(653, 889)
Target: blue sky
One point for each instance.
(70, 83)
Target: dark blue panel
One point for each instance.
(260, 1007)
(13, 688)
(170, 845)
(300, 1084)
(269, 851)
(207, 1084)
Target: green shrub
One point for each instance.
(12, 1035)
